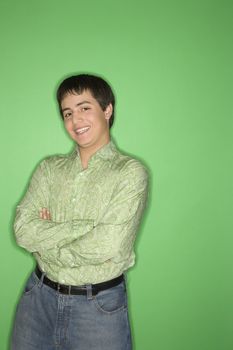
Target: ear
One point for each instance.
(108, 112)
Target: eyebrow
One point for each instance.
(77, 105)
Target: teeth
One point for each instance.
(82, 130)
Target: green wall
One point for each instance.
(170, 63)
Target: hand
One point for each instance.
(45, 214)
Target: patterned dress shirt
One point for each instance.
(95, 214)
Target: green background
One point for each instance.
(170, 64)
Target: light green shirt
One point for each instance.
(95, 215)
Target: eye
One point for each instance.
(67, 115)
(84, 109)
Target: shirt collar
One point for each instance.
(106, 152)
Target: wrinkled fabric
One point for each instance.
(95, 214)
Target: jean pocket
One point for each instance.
(31, 284)
(111, 300)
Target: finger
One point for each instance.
(41, 214)
(48, 215)
(44, 213)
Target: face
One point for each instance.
(85, 121)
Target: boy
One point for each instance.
(79, 219)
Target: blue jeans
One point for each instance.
(47, 320)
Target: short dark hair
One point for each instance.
(97, 86)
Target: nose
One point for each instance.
(77, 117)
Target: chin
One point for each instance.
(83, 144)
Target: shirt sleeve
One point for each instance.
(113, 237)
(35, 234)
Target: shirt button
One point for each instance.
(74, 199)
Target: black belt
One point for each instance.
(81, 290)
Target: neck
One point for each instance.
(87, 152)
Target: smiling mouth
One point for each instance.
(82, 130)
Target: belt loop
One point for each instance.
(41, 280)
(89, 291)
(69, 290)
